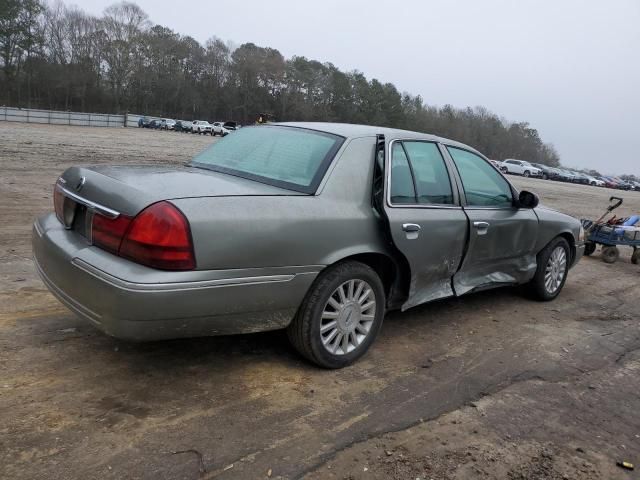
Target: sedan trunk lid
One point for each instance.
(129, 189)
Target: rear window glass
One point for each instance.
(287, 157)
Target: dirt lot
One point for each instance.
(486, 386)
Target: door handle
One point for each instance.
(482, 227)
(411, 227)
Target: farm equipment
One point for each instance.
(612, 233)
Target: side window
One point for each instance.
(402, 189)
(432, 182)
(483, 185)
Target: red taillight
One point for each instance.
(158, 237)
(107, 233)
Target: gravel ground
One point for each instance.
(491, 385)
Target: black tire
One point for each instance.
(545, 176)
(504, 170)
(589, 248)
(304, 330)
(635, 256)
(537, 285)
(526, 173)
(610, 254)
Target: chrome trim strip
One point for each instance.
(178, 286)
(101, 209)
(38, 228)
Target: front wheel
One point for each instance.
(526, 173)
(340, 316)
(552, 270)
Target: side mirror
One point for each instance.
(528, 199)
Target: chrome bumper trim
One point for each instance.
(178, 286)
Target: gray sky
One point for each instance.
(570, 68)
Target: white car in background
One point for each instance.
(167, 124)
(520, 167)
(201, 126)
(219, 129)
(595, 182)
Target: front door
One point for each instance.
(502, 236)
(426, 220)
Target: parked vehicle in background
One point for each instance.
(595, 181)
(579, 177)
(548, 173)
(249, 237)
(143, 122)
(231, 126)
(219, 129)
(182, 126)
(622, 184)
(520, 167)
(201, 127)
(496, 163)
(167, 124)
(559, 175)
(154, 124)
(567, 175)
(609, 182)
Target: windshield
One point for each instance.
(287, 157)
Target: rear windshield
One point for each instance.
(287, 157)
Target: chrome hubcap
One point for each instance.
(347, 317)
(555, 270)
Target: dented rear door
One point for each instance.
(427, 223)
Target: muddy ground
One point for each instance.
(492, 385)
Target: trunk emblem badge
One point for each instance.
(81, 183)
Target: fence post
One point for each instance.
(126, 118)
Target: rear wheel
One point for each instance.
(635, 257)
(610, 254)
(553, 267)
(545, 176)
(340, 317)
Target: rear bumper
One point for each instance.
(133, 302)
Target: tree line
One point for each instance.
(55, 56)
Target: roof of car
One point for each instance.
(352, 130)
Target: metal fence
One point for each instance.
(54, 117)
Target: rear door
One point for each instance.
(502, 236)
(427, 223)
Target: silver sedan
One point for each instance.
(314, 227)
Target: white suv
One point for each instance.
(201, 126)
(520, 167)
